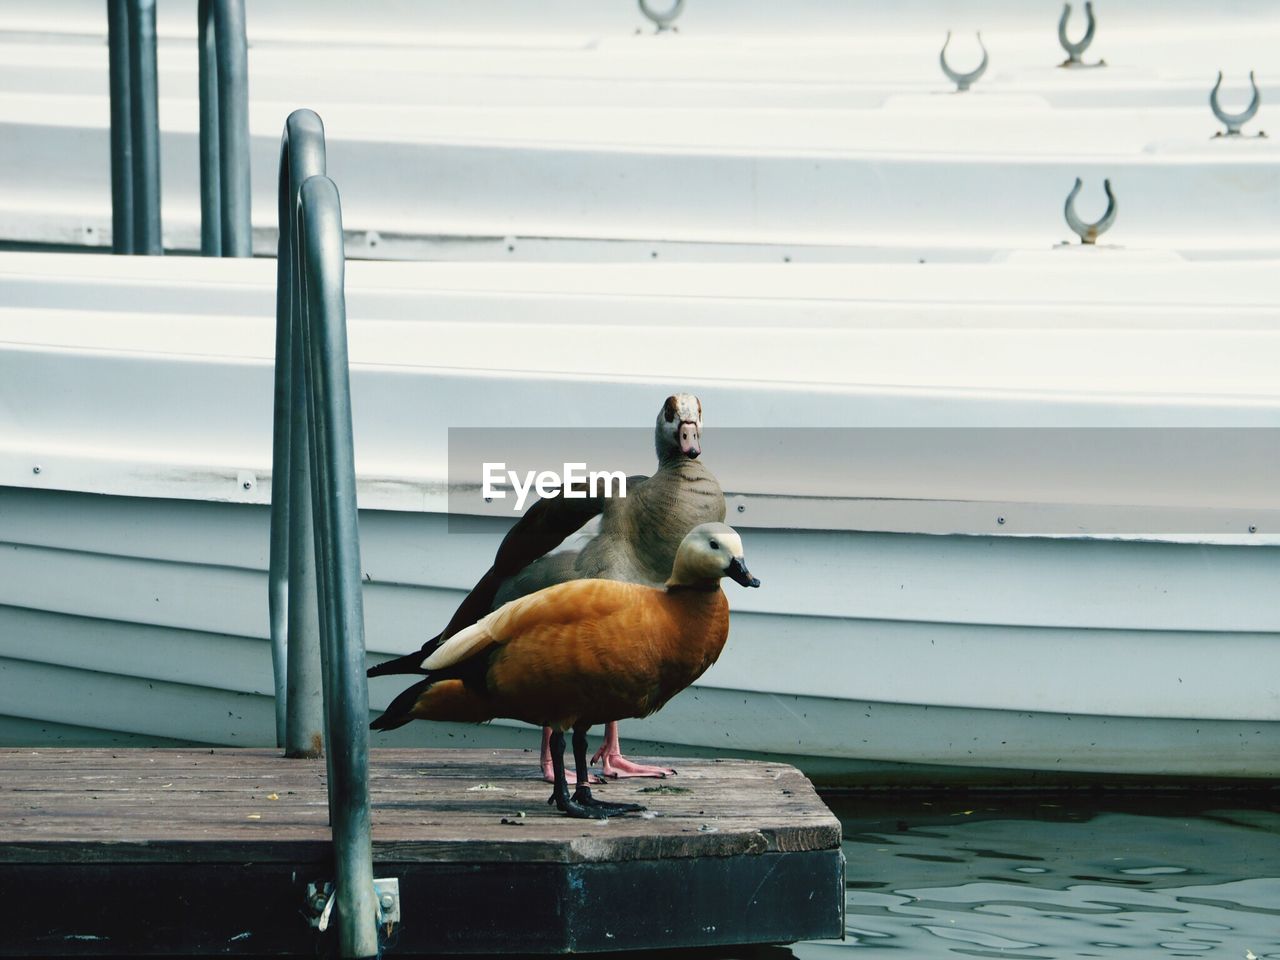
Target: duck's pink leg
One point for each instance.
(615, 765)
(548, 767)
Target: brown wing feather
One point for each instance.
(594, 653)
(586, 651)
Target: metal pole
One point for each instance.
(315, 451)
(281, 440)
(210, 172)
(121, 127)
(292, 588)
(280, 567)
(145, 123)
(337, 527)
(233, 120)
(304, 725)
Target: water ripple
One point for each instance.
(1053, 881)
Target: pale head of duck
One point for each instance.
(708, 552)
(678, 431)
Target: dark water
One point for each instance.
(1051, 878)
(1120, 877)
(1045, 878)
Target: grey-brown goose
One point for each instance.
(636, 542)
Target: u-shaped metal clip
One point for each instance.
(663, 21)
(963, 80)
(1076, 50)
(1234, 121)
(1090, 232)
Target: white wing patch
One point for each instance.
(461, 645)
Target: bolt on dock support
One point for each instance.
(225, 225)
(135, 127)
(311, 362)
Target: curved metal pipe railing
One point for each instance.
(135, 127)
(291, 591)
(313, 420)
(226, 228)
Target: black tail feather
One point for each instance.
(397, 713)
(388, 722)
(409, 663)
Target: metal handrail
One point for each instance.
(226, 228)
(135, 127)
(291, 591)
(311, 361)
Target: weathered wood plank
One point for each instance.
(208, 852)
(467, 806)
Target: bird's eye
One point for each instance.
(713, 545)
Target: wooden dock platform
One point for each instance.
(147, 852)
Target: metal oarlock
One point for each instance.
(1089, 232)
(314, 516)
(963, 81)
(1076, 50)
(1234, 121)
(662, 20)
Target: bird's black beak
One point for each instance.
(739, 572)
(690, 441)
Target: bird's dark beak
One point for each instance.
(739, 572)
(690, 441)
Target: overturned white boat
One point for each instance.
(1012, 504)
(1014, 520)
(575, 138)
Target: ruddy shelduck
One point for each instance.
(584, 652)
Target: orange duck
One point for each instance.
(582, 653)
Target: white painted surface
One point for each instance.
(834, 132)
(95, 349)
(115, 611)
(886, 178)
(151, 377)
(827, 136)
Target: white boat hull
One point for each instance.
(834, 137)
(900, 622)
(126, 620)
